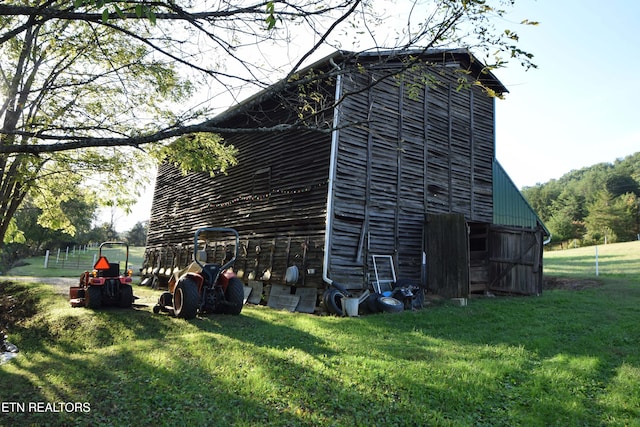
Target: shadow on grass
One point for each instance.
(553, 359)
(524, 348)
(132, 365)
(125, 389)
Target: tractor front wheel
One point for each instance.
(185, 299)
(234, 296)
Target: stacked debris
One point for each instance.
(6, 346)
(7, 350)
(15, 306)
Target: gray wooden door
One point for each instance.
(516, 260)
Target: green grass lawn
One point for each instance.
(620, 259)
(565, 358)
(75, 262)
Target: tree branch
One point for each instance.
(136, 141)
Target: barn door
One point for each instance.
(516, 260)
(446, 242)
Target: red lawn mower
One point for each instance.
(104, 285)
(204, 287)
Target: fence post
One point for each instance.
(597, 260)
(46, 259)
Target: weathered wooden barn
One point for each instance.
(403, 165)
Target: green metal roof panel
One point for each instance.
(509, 205)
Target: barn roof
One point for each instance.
(463, 57)
(338, 59)
(509, 205)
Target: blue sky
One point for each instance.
(580, 107)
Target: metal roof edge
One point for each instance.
(497, 167)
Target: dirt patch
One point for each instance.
(60, 284)
(569, 283)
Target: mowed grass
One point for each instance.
(74, 262)
(620, 259)
(565, 358)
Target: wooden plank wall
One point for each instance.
(515, 260)
(275, 197)
(410, 156)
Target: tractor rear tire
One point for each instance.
(126, 296)
(234, 296)
(94, 297)
(185, 299)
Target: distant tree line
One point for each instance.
(593, 205)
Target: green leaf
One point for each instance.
(119, 11)
(14, 234)
(105, 15)
(151, 16)
(271, 22)
(271, 17)
(200, 152)
(139, 10)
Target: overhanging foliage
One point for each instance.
(117, 76)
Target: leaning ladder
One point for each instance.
(379, 267)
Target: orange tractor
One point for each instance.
(204, 287)
(104, 285)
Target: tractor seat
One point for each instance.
(210, 272)
(113, 271)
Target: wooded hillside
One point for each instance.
(595, 204)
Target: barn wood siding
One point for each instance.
(403, 153)
(515, 260)
(275, 197)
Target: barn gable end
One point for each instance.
(425, 149)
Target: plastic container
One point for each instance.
(350, 306)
